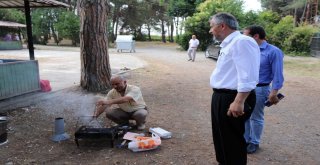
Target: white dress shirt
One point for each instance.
(193, 43)
(238, 64)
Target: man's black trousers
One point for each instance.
(229, 143)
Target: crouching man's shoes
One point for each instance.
(252, 148)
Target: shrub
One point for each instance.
(198, 24)
(140, 37)
(268, 19)
(298, 42)
(281, 31)
(156, 38)
(184, 40)
(68, 25)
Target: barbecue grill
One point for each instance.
(95, 132)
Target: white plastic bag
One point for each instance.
(142, 143)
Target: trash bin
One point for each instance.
(125, 42)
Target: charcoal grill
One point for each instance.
(84, 132)
(91, 129)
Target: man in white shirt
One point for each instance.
(129, 101)
(193, 45)
(233, 81)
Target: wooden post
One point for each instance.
(29, 29)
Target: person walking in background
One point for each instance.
(271, 70)
(233, 81)
(193, 45)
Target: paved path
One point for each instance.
(61, 65)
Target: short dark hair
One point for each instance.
(256, 29)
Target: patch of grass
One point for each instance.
(302, 66)
(295, 54)
(156, 38)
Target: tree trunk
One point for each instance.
(55, 37)
(163, 32)
(116, 30)
(172, 30)
(95, 66)
(302, 19)
(295, 22)
(177, 28)
(115, 19)
(183, 20)
(112, 30)
(168, 27)
(149, 32)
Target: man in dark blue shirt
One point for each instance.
(271, 72)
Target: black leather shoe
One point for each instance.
(252, 148)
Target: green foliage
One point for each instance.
(140, 37)
(12, 15)
(135, 16)
(156, 38)
(297, 8)
(274, 5)
(184, 39)
(249, 18)
(268, 19)
(198, 24)
(56, 23)
(182, 8)
(298, 42)
(281, 31)
(68, 26)
(42, 24)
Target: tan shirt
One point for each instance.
(131, 106)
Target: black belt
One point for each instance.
(263, 84)
(229, 91)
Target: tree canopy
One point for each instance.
(142, 17)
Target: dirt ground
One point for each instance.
(178, 96)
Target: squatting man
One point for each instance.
(124, 102)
